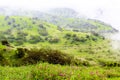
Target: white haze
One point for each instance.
(104, 10)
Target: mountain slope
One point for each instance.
(91, 52)
(31, 32)
(25, 30)
(63, 17)
(76, 22)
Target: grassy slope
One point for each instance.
(91, 51)
(31, 26)
(100, 25)
(87, 49)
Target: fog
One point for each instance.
(115, 42)
(105, 10)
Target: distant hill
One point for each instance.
(70, 19)
(63, 17)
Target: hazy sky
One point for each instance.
(105, 10)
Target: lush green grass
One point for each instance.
(45, 71)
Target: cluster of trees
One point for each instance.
(22, 37)
(75, 38)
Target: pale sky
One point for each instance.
(105, 10)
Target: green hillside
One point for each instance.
(63, 17)
(34, 49)
(25, 30)
(33, 33)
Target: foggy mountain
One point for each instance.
(63, 17)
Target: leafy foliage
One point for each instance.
(47, 55)
(20, 52)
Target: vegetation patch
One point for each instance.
(47, 55)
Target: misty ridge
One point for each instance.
(57, 16)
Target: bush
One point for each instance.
(54, 40)
(9, 23)
(94, 39)
(3, 61)
(43, 32)
(34, 56)
(41, 27)
(5, 42)
(20, 53)
(95, 33)
(57, 57)
(19, 42)
(35, 39)
(75, 30)
(76, 38)
(109, 63)
(1, 57)
(67, 36)
(47, 55)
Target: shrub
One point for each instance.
(19, 42)
(67, 36)
(1, 57)
(109, 63)
(43, 32)
(75, 30)
(20, 52)
(3, 61)
(47, 55)
(33, 22)
(95, 33)
(94, 39)
(54, 40)
(57, 57)
(9, 23)
(14, 25)
(87, 36)
(35, 56)
(35, 39)
(78, 39)
(5, 42)
(41, 27)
